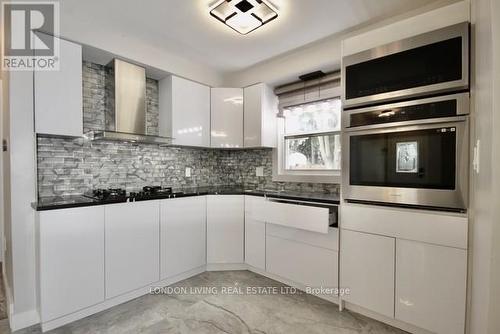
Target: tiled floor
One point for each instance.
(225, 313)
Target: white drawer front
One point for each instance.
(329, 241)
(303, 217)
(301, 263)
(446, 229)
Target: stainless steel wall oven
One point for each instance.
(412, 153)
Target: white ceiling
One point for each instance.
(185, 28)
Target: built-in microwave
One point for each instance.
(432, 63)
(413, 153)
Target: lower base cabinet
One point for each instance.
(255, 242)
(367, 270)
(183, 233)
(71, 260)
(225, 229)
(431, 286)
(302, 263)
(132, 246)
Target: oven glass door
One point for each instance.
(424, 158)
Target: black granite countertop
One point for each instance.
(74, 201)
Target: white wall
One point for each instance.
(1, 172)
(418, 24)
(77, 29)
(7, 260)
(20, 192)
(494, 318)
(484, 240)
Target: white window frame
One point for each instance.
(280, 173)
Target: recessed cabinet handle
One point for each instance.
(4, 145)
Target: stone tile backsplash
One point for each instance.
(69, 166)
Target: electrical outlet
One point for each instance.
(188, 171)
(259, 171)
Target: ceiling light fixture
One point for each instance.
(244, 16)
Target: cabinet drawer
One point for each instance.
(301, 216)
(328, 240)
(302, 263)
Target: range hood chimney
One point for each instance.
(125, 117)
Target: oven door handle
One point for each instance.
(442, 120)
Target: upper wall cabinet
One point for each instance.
(184, 112)
(227, 118)
(58, 95)
(261, 107)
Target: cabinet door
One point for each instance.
(225, 229)
(255, 242)
(71, 255)
(431, 286)
(260, 109)
(184, 111)
(132, 246)
(183, 233)
(367, 269)
(302, 263)
(58, 94)
(227, 118)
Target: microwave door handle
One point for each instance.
(444, 121)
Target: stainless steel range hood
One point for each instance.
(125, 115)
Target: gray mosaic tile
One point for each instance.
(69, 166)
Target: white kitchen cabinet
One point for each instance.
(255, 242)
(295, 215)
(225, 229)
(71, 260)
(132, 246)
(302, 263)
(367, 269)
(328, 241)
(184, 111)
(431, 286)
(260, 109)
(58, 94)
(183, 232)
(226, 117)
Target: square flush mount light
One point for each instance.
(244, 16)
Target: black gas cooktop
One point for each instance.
(118, 195)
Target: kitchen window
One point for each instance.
(309, 138)
(312, 136)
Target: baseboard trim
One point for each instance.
(299, 286)
(389, 321)
(22, 320)
(55, 323)
(226, 266)
(30, 318)
(19, 320)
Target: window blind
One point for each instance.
(308, 91)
